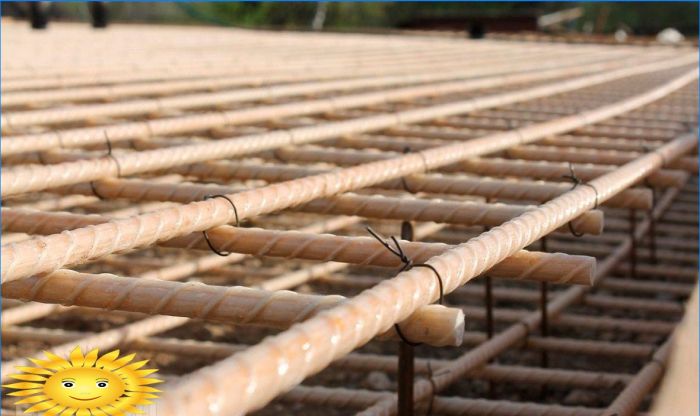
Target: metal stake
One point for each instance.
(544, 321)
(652, 228)
(488, 304)
(406, 373)
(633, 250)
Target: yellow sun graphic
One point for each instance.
(85, 385)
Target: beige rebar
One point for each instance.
(434, 325)
(450, 212)
(521, 329)
(353, 62)
(631, 397)
(85, 136)
(27, 179)
(32, 311)
(364, 60)
(310, 346)
(648, 326)
(263, 88)
(216, 351)
(524, 265)
(547, 170)
(529, 296)
(108, 339)
(37, 256)
(492, 188)
(432, 86)
(611, 157)
(354, 361)
(624, 135)
(346, 398)
(429, 183)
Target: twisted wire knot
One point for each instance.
(408, 264)
(578, 181)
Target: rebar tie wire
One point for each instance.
(407, 265)
(578, 181)
(406, 150)
(433, 385)
(116, 161)
(206, 237)
(433, 390)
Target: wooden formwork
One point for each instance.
(217, 200)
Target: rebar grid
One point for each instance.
(503, 156)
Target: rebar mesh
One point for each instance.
(201, 197)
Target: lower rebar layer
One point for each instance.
(230, 220)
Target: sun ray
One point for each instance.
(55, 362)
(111, 410)
(98, 412)
(39, 407)
(35, 370)
(135, 366)
(144, 373)
(120, 362)
(24, 385)
(28, 377)
(33, 399)
(107, 358)
(21, 393)
(90, 358)
(54, 411)
(76, 357)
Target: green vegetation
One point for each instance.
(641, 18)
(645, 18)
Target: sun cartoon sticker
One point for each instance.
(85, 385)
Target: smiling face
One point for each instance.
(84, 387)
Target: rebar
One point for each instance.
(264, 193)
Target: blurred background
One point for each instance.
(474, 19)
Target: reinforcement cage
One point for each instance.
(222, 203)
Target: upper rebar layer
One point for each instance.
(154, 153)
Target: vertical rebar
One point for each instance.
(488, 301)
(633, 249)
(406, 374)
(544, 325)
(488, 304)
(406, 371)
(488, 296)
(652, 228)
(544, 322)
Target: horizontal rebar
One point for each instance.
(338, 397)
(53, 252)
(435, 324)
(491, 188)
(432, 84)
(549, 170)
(198, 122)
(525, 265)
(355, 361)
(450, 212)
(27, 179)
